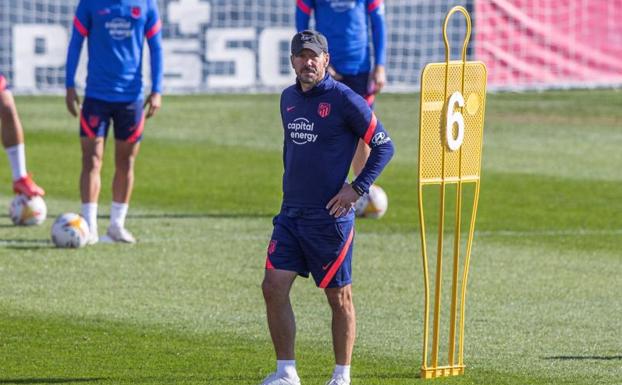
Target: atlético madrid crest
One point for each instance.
(323, 109)
(135, 12)
(272, 246)
(93, 121)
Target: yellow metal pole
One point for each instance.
(454, 287)
(439, 270)
(465, 274)
(426, 274)
(456, 250)
(426, 281)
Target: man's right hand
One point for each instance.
(343, 202)
(379, 79)
(72, 100)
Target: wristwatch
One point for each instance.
(359, 190)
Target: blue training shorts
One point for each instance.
(128, 119)
(359, 83)
(311, 241)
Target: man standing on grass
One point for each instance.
(116, 31)
(314, 232)
(346, 24)
(13, 143)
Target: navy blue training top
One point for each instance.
(321, 130)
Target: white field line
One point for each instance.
(503, 233)
(551, 233)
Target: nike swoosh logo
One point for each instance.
(290, 108)
(324, 267)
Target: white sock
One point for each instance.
(342, 371)
(89, 212)
(118, 212)
(17, 160)
(286, 368)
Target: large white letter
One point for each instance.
(243, 59)
(183, 69)
(270, 54)
(28, 39)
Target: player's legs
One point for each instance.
(343, 322)
(90, 177)
(90, 181)
(343, 328)
(329, 247)
(128, 127)
(123, 181)
(12, 132)
(284, 261)
(122, 186)
(94, 124)
(12, 136)
(276, 286)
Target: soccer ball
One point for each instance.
(372, 205)
(70, 230)
(25, 211)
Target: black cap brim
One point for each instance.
(310, 46)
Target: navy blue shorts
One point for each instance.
(4, 85)
(128, 119)
(360, 84)
(311, 241)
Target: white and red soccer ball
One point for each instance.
(27, 211)
(372, 205)
(70, 231)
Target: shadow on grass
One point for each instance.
(198, 215)
(26, 244)
(24, 241)
(48, 380)
(168, 215)
(26, 247)
(583, 358)
(389, 376)
(324, 377)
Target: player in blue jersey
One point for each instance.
(13, 143)
(323, 121)
(346, 25)
(116, 31)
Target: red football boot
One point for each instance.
(25, 185)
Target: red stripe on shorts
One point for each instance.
(137, 131)
(268, 264)
(85, 126)
(342, 255)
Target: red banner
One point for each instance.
(544, 43)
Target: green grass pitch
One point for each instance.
(184, 305)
